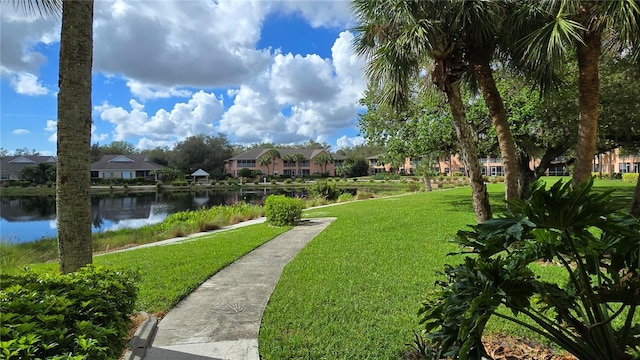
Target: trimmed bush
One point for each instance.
(82, 315)
(283, 211)
(630, 177)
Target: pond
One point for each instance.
(29, 218)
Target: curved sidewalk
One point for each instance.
(221, 318)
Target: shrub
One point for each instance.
(362, 194)
(594, 244)
(287, 181)
(273, 181)
(84, 314)
(245, 172)
(283, 211)
(630, 177)
(298, 180)
(345, 197)
(324, 190)
(179, 183)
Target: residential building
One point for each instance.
(11, 166)
(616, 161)
(124, 167)
(308, 167)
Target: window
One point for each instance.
(127, 175)
(107, 175)
(625, 167)
(497, 171)
(246, 163)
(305, 163)
(636, 167)
(4, 176)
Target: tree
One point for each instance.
(113, 148)
(202, 152)
(265, 161)
(564, 25)
(273, 154)
(298, 158)
(25, 152)
(399, 37)
(323, 160)
(40, 174)
(73, 190)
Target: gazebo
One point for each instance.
(201, 177)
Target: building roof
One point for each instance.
(124, 162)
(255, 154)
(15, 164)
(200, 172)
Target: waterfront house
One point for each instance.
(11, 166)
(124, 167)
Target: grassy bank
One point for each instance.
(14, 257)
(354, 291)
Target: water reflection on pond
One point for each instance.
(24, 219)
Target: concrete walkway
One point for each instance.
(221, 319)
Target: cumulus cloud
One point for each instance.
(52, 127)
(27, 84)
(186, 43)
(21, 132)
(299, 98)
(20, 32)
(349, 142)
(320, 13)
(151, 92)
(193, 117)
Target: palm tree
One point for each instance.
(265, 161)
(73, 188)
(272, 154)
(298, 159)
(323, 160)
(399, 37)
(583, 26)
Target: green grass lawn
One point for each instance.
(168, 273)
(354, 291)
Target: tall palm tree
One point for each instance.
(273, 154)
(581, 26)
(400, 37)
(323, 160)
(298, 158)
(73, 179)
(265, 161)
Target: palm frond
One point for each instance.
(40, 8)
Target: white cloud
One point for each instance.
(320, 13)
(21, 132)
(299, 98)
(196, 116)
(27, 84)
(20, 32)
(52, 127)
(151, 92)
(186, 43)
(97, 137)
(347, 142)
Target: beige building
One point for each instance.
(310, 166)
(613, 162)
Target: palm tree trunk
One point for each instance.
(469, 152)
(73, 190)
(635, 202)
(484, 75)
(588, 87)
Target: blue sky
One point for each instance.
(254, 70)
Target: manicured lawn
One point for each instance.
(354, 291)
(168, 273)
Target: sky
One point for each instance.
(279, 71)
